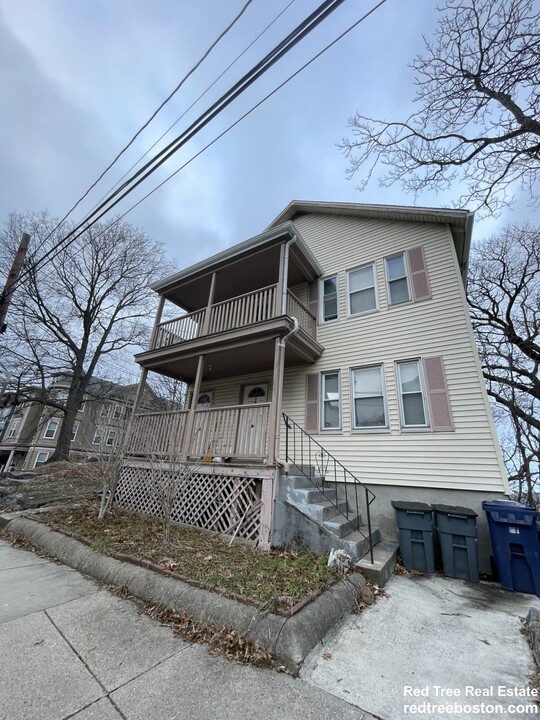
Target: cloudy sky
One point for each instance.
(80, 77)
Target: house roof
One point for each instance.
(459, 221)
(192, 279)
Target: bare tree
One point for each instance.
(504, 298)
(91, 303)
(477, 125)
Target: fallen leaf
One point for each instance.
(327, 655)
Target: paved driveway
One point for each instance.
(432, 641)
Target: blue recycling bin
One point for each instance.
(416, 538)
(516, 547)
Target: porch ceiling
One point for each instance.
(241, 269)
(250, 356)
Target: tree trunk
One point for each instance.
(75, 397)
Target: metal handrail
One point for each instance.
(307, 452)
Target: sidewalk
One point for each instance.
(72, 650)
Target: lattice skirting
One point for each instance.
(223, 504)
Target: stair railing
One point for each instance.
(312, 460)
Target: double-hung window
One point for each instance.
(369, 398)
(329, 299)
(52, 427)
(396, 279)
(111, 437)
(74, 431)
(13, 429)
(41, 458)
(362, 290)
(331, 401)
(412, 394)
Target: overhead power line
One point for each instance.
(303, 29)
(75, 234)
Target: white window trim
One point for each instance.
(370, 428)
(51, 437)
(105, 410)
(366, 312)
(13, 430)
(322, 321)
(407, 277)
(82, 406)
(114, 434)
(97, 433)
(41, 452)
(426, 425)
(337, 428)
(74, 434)
(116, 407)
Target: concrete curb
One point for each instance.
(289, 640)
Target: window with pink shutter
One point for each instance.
(437, 391)
(420, 287)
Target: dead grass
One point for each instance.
(274, 581)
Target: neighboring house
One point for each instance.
(351, 320)
(31, 433)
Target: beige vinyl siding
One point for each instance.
(227, 391)
(469, 457)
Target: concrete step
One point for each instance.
(356, 543)
(342, 526)
(308, 496)
(301, 481)
(384, 562)
(325, 510)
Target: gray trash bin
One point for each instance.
(456, 531)
(415, 525)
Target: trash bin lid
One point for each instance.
(507, 504)
(411, 506)
(454, 510)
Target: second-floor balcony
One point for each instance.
(237, 305)
(239, 312)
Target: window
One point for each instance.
(105, 411)
(52, 427)
(13, 429)
(117, 412)
(41, 458)
(81, 406)
(331, 410)
(362, 292)
(205, 399)
(111, 437)
(411, 394)
(396, 279)
(97, 438)
(369, 401)
(74, 431)
(329, 310)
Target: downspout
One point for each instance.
(281, 345)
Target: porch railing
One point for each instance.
(241, 311)
(306, 320)
(312, 460)
(156, 433)
(239, 431)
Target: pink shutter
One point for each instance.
(419, 278)
(312, 403)
(437, 390)
(313, 298)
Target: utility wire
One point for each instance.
(237, 58)
(304, 28)
(161, 106)
(230, 127)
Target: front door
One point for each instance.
(253, 394)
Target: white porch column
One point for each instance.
(157, 320)
(207, 315)
(191, 416)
